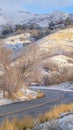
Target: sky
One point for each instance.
(38, 6)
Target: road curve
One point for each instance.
(35, 107)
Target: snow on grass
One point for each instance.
(20, 38)
(66, 122)
(66, 86)
(17, 41)
(61, 39)
(1, 73)
(4, 101)
(22, 95)
(62, 61)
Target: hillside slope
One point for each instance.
(53, 58)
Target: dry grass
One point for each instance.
(12, 40)
(22, 39)
(15, 96)
(55, 112)
(30, 96)
(19, 94)
(8, 125)
(40, 94)
(29, 122)
(16, 124)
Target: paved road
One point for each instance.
(35, 107)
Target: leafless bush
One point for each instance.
(40, 94)
(12, 77)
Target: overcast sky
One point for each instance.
(38, 6)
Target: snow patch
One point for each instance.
(66, 86)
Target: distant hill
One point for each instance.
(21, 20)
(21, 17)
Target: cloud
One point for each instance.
(42, 4)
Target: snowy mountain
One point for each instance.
(22, 17)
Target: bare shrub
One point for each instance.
(40, 94)
(13, 76)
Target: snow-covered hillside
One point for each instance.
(22, 17)
(54, 54)
(17, 42)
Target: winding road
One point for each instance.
(37, 106)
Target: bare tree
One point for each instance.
(30, 63)
(4, 61)
(12, 77)
(24, 73)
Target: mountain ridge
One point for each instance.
(20, 16)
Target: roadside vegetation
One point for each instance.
(14, 77)
(28, 123)
(56, 112)
(40, 94)
(11, 77)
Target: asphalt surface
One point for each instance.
(35, 107)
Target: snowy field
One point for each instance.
(65, 123)
(66, 86)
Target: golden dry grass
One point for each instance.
(15, 95)
(40, 94)
(64, 34)
(16, 124)
(29, 122)
(19, 94)
(7, 125)
(30, 96)
(55, 112)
